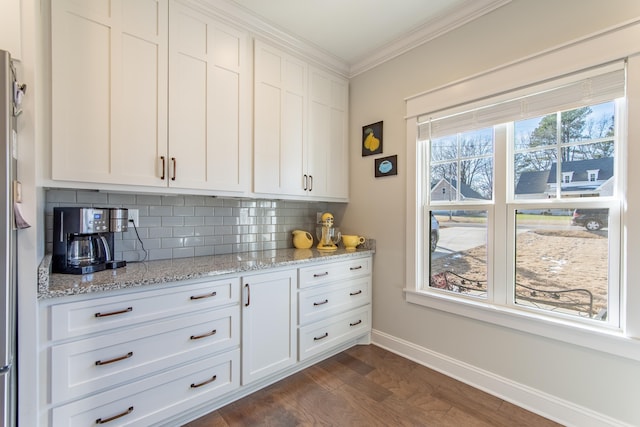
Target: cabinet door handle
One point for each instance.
(321, 337)
(310, 182)
(321, 303)
(194, 297)
(208, 334)
(355, 293)
(304, 182)
(355, 268)
(115, 417)
(326, 273)
(246, 286)
(356, 323)
(173, 160)
(113, 313)
(115, 359)
(210, 380)
(163, 167)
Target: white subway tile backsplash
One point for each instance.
(184, 226)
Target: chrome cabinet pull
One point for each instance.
(355, 293)
(113, 313)
(115, 417)
(212, 294)
(173, 159)
(208, 334)
(356, 323)
(310, 182)
(355, 268)
(248, 295)
(326, 273)
(116, 359)
(321, 337)
(304, 182)
(210, 380)
(163, 167)
(321, 303)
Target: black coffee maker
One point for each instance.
(83, 239)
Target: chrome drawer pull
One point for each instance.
(113, 313)
(356, 323)
(208, 334)
(117, 359)
(115, 417)
(355, 268)
(212, 294)
(210, 380)
(326, 273)
(321, 303)
(355, 293)
(326, 334)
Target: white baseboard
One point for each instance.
(546, 405)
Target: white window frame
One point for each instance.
(584, 54)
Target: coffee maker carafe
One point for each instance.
(83, 239)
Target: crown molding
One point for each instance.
(237, 15)
(467, 12)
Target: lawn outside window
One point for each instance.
(530, 191)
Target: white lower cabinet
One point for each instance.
(268, 324)
(168, 355)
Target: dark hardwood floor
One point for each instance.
(369, 386)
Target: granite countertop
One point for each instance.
(137, 274)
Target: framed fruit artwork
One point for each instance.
(372, 139)
(386, 166)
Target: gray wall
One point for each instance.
(179, 226)
(600, 381)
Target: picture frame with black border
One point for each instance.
(386, 166)
(372, 139)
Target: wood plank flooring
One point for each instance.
(369, 386)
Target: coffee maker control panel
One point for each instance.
(93, 221)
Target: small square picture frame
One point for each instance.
(372, 139)
(386, 166)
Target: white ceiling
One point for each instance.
(364, 33)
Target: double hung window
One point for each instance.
(520, 197)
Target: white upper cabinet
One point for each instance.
(148, 93)
(300, 128)
(209, 104)
(109, 90)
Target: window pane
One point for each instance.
(477, 179)
(536, 132)
(592, 122)
(443, 179)
(445, 148)
(562, 258)
(458, 260)
(532, 170)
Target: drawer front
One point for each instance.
(102, 314)
(318, 303)
(94, 364)
(319, 337)
(327, 273)
(155, 399)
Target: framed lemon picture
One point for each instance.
(372, 139)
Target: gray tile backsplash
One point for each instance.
(184, 226)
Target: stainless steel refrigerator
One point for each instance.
(9, 110)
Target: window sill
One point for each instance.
(602, 340)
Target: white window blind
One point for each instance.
(591, 87)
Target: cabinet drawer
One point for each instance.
(319, 337)
(326, 273)
(102, 314)
(318, 303)
(94, 364)
(155, 399)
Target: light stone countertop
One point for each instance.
(138, 274)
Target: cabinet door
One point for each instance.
(209, 112)
(109, 97)
(268, 324)
(328, 154)
(280, 85)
